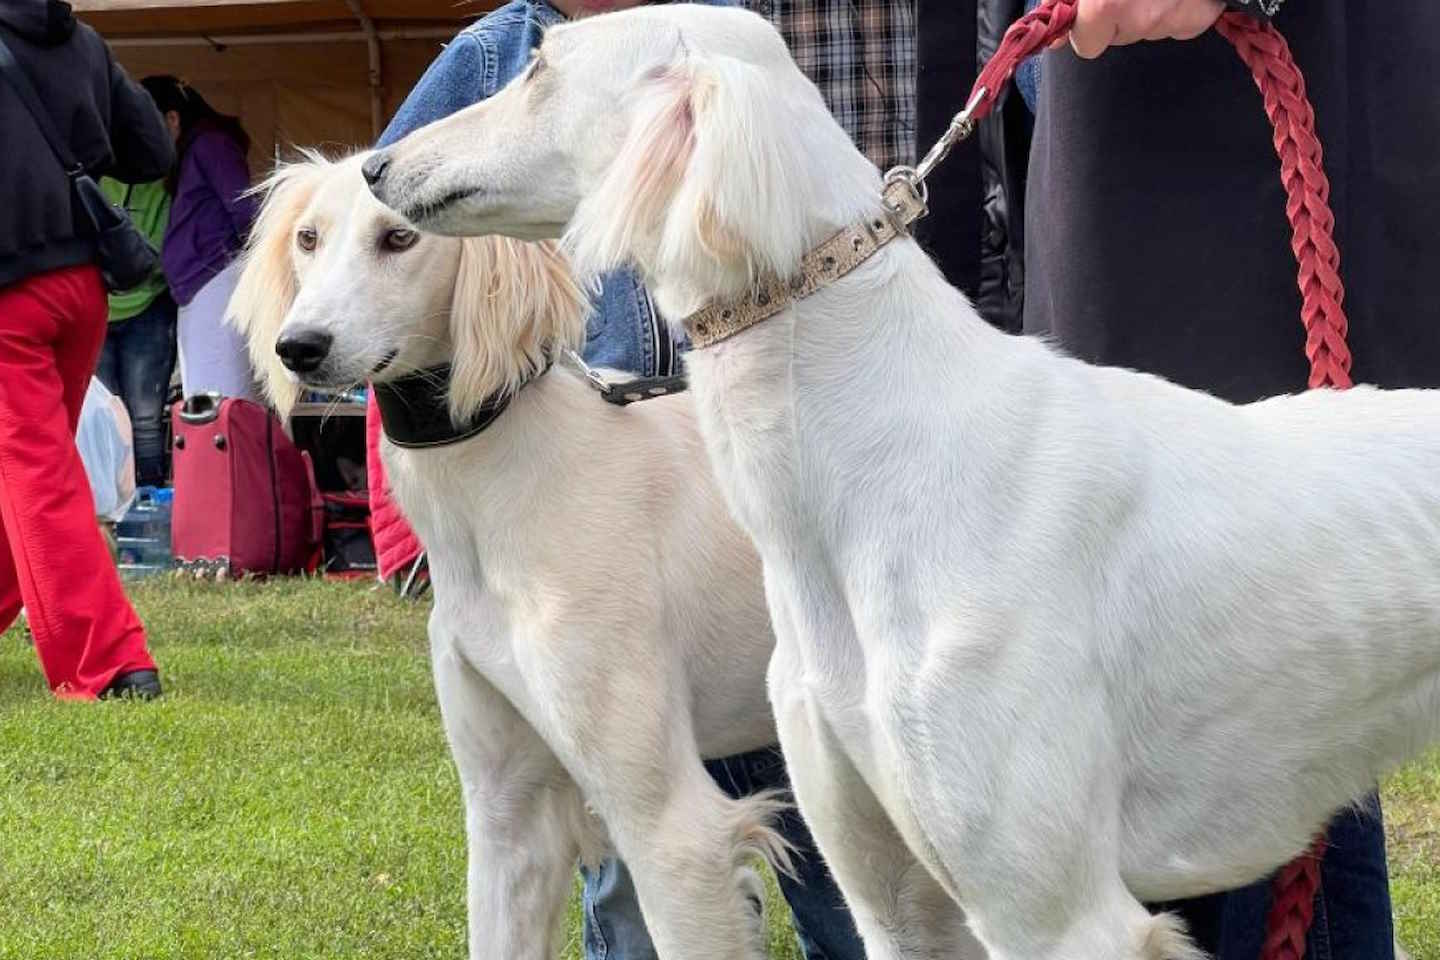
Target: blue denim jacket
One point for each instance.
(624, 332)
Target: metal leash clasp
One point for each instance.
(590, 373)
(961, 127)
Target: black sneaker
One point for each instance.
(135, 685)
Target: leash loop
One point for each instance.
(1282, 86)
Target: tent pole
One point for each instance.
(372, 42)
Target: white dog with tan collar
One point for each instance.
(1053, 639)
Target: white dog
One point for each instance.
(1067, 637)
(599, 622)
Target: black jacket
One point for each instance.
(112, 124)
(995, 278)
(1157, 232)
(975, 227)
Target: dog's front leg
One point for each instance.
(522, 816)
(691, 850)
(619, 721)
(902, 913)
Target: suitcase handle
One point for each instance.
(201, 408)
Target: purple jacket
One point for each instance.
(210, 216)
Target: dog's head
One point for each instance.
(338, 290)
(682, 139)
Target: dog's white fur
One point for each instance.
(599, 622)
(1069, 637)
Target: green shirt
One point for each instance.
(149, 206)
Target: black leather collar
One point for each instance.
(415, 409)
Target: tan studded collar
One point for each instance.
(833, 259)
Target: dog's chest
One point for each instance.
(742, 397)
(431, 490)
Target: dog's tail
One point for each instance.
(1163, 937)
(755, 834)
(755, 838)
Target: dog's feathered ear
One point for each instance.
(627, 211)
(720, 174)
(514, 303)
(268, 285)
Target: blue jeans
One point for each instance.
(614, 930)
(1353, 919)
(135, 365)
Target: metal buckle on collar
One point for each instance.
(627, 391)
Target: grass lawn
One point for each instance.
(292, 797)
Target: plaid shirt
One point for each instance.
(862, 56)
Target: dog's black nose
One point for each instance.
(375, 166)
(304, 350)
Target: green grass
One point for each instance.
(1412, 824)
(292, 797)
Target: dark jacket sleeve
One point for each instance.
(143, 147)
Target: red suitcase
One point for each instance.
(245, 497)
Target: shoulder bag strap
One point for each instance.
(11, 70)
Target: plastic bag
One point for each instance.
(108, 451)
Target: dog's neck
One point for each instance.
(494, 511)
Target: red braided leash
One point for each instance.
(1307, 192)
(1307, 189)
(1307, 206)
(1292, 905)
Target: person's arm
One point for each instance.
(222, 163)
(459, 77)
(142, 145)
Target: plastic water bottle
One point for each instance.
(143, 537)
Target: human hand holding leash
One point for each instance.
(1101, 24)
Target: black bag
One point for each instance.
(124, 256)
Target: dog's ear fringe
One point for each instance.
(515, 303)
(710, 181)
(632, 199)
(267, 285)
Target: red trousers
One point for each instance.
(53, 559)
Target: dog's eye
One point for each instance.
(400, 239)
(307, 239)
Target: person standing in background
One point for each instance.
(139, 353)
(863, 57)
(53, 558)
(210, 217)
